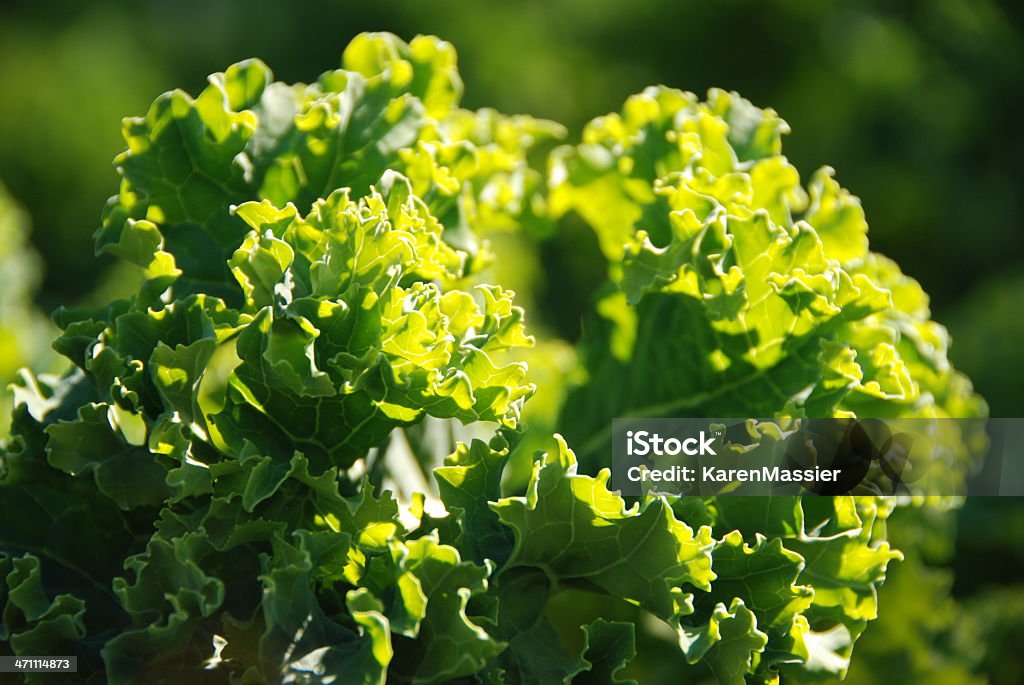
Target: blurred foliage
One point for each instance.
(988, 566)
(952, 613)
(923, 635)
(24, 331)
(988, 329)
(60, 125)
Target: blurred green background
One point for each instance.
(916, 104)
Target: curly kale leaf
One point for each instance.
(392, 106)
(738, 292)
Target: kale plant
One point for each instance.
(229, 484)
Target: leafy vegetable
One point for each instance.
(202, 498)
(737, 292)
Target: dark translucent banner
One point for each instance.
(714, 456)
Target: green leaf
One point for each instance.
(165, 575)
(609, 647)
(817, 574)
(93, 443)
(762, 579)
(730, 644)
(470, 479)
(30, 620)
(449, 645)
(579, 532)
